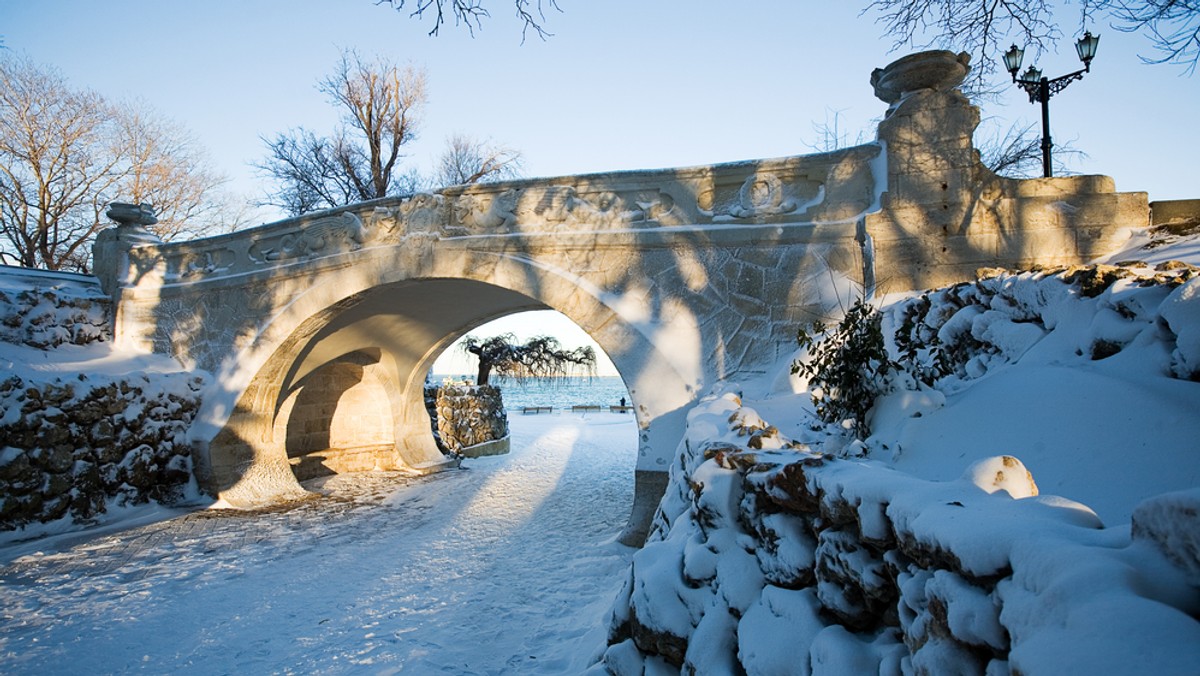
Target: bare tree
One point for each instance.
(467, 159)
(471, 13)
(985, 28)
(381, 103)
(165, 166)
(539, 357)
(1017, 152)
(65, 153)
(832, 133)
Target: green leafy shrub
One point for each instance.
(847, 367)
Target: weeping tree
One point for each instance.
(539, 357)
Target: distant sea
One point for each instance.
(560, 392)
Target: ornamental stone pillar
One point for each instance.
(110, 252)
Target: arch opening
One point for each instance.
(368, 354)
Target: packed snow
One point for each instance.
(506, 566)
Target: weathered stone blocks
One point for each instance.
(472, 420)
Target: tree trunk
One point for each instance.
(485, 365)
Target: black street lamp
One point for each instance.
(1041, 89)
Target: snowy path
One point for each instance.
(505, 567)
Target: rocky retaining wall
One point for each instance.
(769, 559)
(74, 443)
(70, 446)
(55, 312)
(471, 420)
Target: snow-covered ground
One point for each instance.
(510, 566)
(507, 566)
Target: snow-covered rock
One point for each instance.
(930, 547)
(49, 310)
(1172, 523)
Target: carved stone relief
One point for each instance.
(322, 237)
(762, 195)
(562, 205)
(419, 213)
(193, 264)
(659, 207)
(485, 214)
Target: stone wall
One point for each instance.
(472, 420)
(340, 421)
(56, 311)
(768, 559)
(72, 446)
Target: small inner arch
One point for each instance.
(340, 420)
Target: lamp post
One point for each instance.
(1040, 89)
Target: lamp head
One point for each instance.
(1086, 48)
(1012, 60)
(1032, 74)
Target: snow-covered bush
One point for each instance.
(960, 333)
(948, 337)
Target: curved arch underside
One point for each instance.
(390, 335)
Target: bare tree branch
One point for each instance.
(471, 13)
(381, 104)
(66, 153)
(982, 27)
(1173, 27)
(1017, 152)
(469, 160)
(832, 135)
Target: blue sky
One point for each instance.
(623, 84)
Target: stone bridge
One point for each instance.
(320, 330)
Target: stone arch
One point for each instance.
(408, 321)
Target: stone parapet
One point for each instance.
(1168, 212)
(944, 214)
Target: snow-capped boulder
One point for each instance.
(1002, 473)
(1181, 310)
(1171, 522)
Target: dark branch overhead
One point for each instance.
(985, 28)
(471, 13)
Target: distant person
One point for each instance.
(622, 402)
